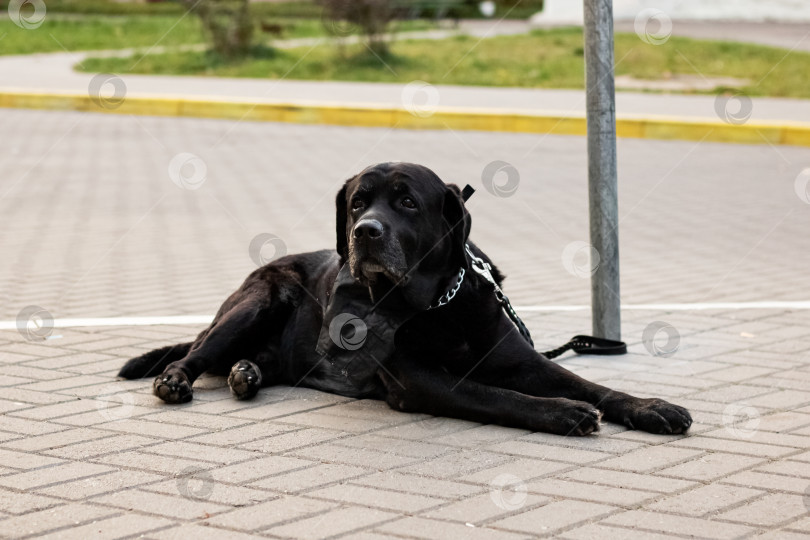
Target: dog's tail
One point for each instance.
(154, 362)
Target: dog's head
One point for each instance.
(399, 223)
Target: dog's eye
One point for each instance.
(357, 204)
(407, 202)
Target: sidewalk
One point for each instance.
(96, 227)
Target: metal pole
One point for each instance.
(602, 183)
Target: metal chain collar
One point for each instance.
(446, 297)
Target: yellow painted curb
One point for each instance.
(372, 115)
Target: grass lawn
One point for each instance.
(543, 59)
(73, 33)
(79, 32)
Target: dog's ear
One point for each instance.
(341, 217)
(459, 222)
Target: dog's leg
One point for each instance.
(236, 333)
(413, 388)
(515, 365)
(247, 377)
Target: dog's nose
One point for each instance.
(370, 228)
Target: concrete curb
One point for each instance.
(373, 115)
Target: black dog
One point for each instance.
(428, 334)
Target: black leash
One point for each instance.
(579, 344)
(589, 345)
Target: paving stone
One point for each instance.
(768, 511)
(589, 492)
(332, 523)
(293, 439)
(457, 464)
(353, 456)
(177, 506)
(115, 527)
(622, 479)
(607, 532)
(760, 480)
(734, 446)
(710, 466)
(153, 463)
(51, 475)
(41, 521)
(23, 460)
(152, 429)
(15, 502)
(200, 452)
(98, 447)
(649, 459)
(84, 488)
(488, 506)
(372, 497)
(553, 516)
(442, 530)
(56, 440)
(311, 477)
(402, 447)
(267, 514)
(525, 469)
(704, 500)
(681, 525)
(199, 532)
(243, 434)
(417, 484)
(250, 471)
(554, 453)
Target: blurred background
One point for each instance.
(153, 213)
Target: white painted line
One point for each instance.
(121, 321)
(680, 307)
(205, 319)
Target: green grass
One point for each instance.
(300, 9)
(72, 32)
(543, 59)
(60, 32)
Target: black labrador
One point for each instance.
(444, 345)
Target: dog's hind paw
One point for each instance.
(245, 379)
(172, 388)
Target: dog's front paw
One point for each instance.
(172, 387)
(573, 418)
(245, 379)
(656, 416)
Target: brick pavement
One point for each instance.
(95, 227)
